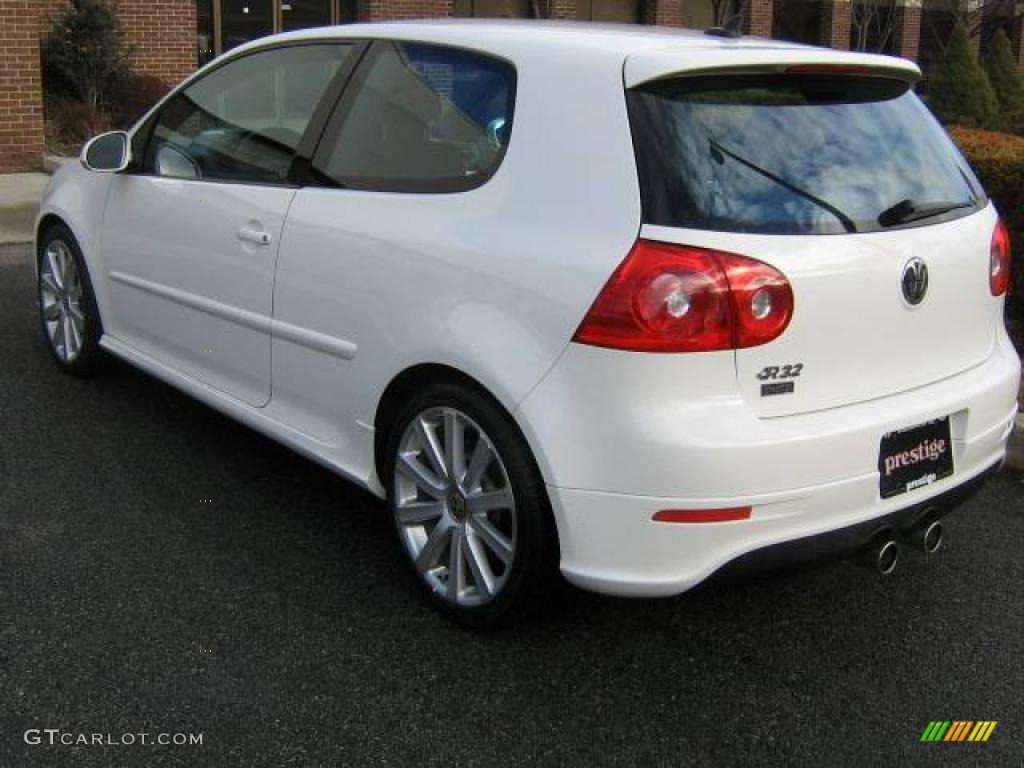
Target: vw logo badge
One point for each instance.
(915, 281)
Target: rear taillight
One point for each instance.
(671, 298)
(999, 260)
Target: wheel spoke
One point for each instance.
(66, 266)
(495, 540)
(49, 283)
(456, 565)
(77, 314)
(419, 512)
(478, 565)
(53, 259)
(58, 336)
(428, 439)
(74, 340)
(486, 501)
(478, 464)
(454, 445)
(51, 311)
(432, 551)
(425, 481)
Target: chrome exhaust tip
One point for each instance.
(881, 556)
(886, 556)
(927, 537)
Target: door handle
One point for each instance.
(257, 236)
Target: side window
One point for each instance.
(423, 118)
(244, 120)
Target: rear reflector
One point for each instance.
(702, 515)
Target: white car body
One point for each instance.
(301, 339)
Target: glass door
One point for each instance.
(298, 14)
(245, 20)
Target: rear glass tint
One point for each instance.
(779, 154)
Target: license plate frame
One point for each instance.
(915, 457)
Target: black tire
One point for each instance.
(89, 358)
(533, 572)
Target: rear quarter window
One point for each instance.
(783, 154)
(420, 118)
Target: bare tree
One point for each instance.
(981, 17)
(728, 13)
(872, 25)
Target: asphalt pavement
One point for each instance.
(164, 570)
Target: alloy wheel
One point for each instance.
(454, 507)
(60, 299)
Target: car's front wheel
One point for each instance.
(67, 306)
(470, 509)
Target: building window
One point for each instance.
(299, 14)
(225, 24)
(798, 20)
(245, 20)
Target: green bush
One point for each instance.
(959, 91)
(85, 57)
(140, 92)
(998, 159)
(1007, 82)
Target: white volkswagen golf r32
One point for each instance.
(642, 305)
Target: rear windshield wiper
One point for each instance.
(906, 211)
(717, 150)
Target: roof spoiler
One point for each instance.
(663, 63)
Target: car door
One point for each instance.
(190, 238)
(359, 270)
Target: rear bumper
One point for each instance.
(627, 445)
(853, 538)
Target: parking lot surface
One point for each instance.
(164, 570)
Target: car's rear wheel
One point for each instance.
(67, 305)
(471, 512)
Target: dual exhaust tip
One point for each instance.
(884, 555)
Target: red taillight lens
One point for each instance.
(999, 260)
(671, 298)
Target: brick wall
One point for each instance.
(1017, 38)
(21, 103)
(164, 35)
(667, 13)
(388, 10)
(835, 24)
(557, 9)
(908, 28)
(757, 17)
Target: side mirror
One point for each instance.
(108, 152)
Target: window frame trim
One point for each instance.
(342, 110)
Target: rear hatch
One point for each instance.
(832, 171)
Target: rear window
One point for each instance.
(781, 154)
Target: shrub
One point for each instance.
(959, 91)
(69, 124)
(85, 57)
(139, 93)
(1007, 82)
(998, 159)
